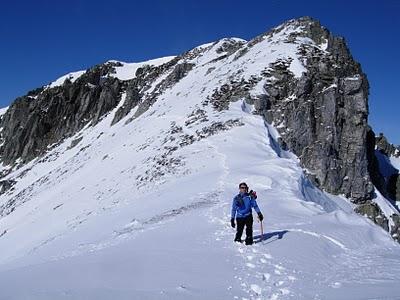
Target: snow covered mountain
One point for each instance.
(117, 181)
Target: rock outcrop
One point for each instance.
(48, 115)
(323, 115)
(383, 145)
(384, 176)
(374, 213)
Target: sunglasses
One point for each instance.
(243, 187)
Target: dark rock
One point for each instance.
(233, 91)
(30, 125)
(395, 232)
(322, 116)
(178, 72)
(6, 185)
(384, 146)
(393, 187)
(229, 46)
(397, 189)
(373, 164)
(374, 213)
(74, 142)
(384, 176)
(132, 99)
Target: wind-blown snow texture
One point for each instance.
(140, 209)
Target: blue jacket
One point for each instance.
(242, 204)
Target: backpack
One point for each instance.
(253, 194)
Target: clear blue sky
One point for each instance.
(42, 40)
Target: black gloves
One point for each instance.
(233, 223)
(260, 216)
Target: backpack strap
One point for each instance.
(239, 200)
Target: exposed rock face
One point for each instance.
(5, 185)
(37, 120)
(178, 72)
(393, 187)
(395, 232)
(373, 212)
(390, 175)
(373, 164)
(385, 178)
(137, 88)
(385, 147)
(322, 116)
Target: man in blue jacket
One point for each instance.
(241, 209)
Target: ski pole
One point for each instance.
(262, 230)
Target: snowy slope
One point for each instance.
(395, 161)
(140, 210)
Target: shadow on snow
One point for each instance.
(270, 237)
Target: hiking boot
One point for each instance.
(249, 241)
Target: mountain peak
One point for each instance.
(105, 168)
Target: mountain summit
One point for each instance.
(129, 169)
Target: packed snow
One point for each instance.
(132, 212)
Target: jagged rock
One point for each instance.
(322, 116)
(132, 99)
(75, 142)
(136, 97)
(393, 187)
(207, 131)
(30, 125)
(384, 146)
(374, 213)
(229, 46)
(231, 92)
(177, 74)
(398, 188)
(383, 175)
(373, 164)
(198, 115)
(6, 185)
(395, 232)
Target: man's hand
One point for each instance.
(233, 223)
(260, 217)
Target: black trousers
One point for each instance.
(240, 224)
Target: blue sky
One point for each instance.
(42, 40)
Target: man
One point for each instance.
(241, 209)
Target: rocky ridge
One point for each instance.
(316, 98)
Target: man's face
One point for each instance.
(242, 189)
